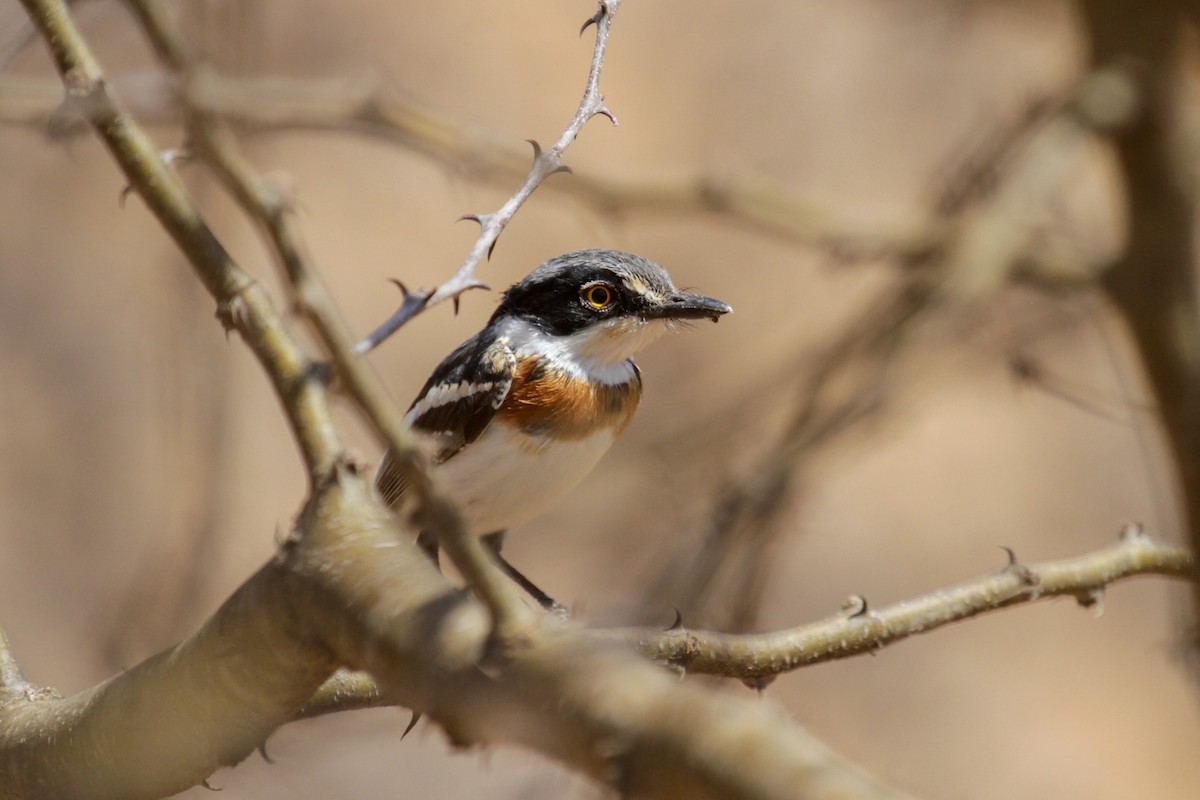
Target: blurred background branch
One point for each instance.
(1154, 282)
(375, 108)
(987, 216)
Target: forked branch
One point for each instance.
(859, 629)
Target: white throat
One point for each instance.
(601, 351)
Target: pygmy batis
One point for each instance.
(521, 412)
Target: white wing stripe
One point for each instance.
(446, 394)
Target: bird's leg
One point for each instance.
(494, 542)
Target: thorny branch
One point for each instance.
(545, 164)
(866, 630)
(859, 629)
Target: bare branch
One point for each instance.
(545, 164)
(211, 700)
(763, 655)
(858, 629)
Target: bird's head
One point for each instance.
(603, 305)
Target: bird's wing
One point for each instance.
(455, 405)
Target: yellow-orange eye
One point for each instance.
(599, 296)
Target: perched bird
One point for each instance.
(521, 412)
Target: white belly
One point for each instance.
(499, 483)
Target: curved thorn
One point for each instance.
(262, 751)
(606, 111)
(400, 285)
(128, 190)
(856, 606)
(473, 217)
(1023, 573)
(492, 247)
(537, 148)
(562, 168)
(592, 20)
(758, 683)
(1132, 531)
(1092, 598)
(412, 723)
(678, 621)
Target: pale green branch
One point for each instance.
(866, 630)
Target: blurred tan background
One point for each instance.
(145, 470)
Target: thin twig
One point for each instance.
(545, 164)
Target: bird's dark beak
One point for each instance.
(685, 305)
